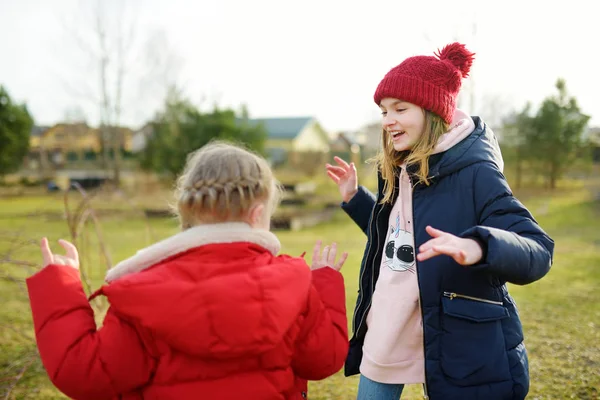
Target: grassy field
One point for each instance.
(561, 313)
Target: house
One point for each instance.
(345, 146)
(66, 143)
(342, 142)
(293, 138)
(359, 145)
(70, 142)
(369, 138)
(294, 134)
(36, 157)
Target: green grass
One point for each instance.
(560, 313)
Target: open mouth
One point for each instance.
(396, 134)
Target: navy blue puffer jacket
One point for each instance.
(472, 333)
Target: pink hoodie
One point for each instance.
(393, 347)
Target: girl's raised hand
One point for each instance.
(344, 175)
(463, 251)
(327, 258)
(71, 259)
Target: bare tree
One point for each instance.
(113, 47)
(119, 67)
(103, 37)
(74, 114)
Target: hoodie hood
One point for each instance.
(215, 291)
(462, 126)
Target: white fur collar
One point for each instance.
(230, 232)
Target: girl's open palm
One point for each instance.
(327, 258)
(71, 259)
(463, 251)
(344, 175)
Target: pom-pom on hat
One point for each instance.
(430, 82)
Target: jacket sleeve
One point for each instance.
(516, 249)
(81, 361)
(322, 344)
(360, 207)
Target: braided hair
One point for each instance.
(221, 182)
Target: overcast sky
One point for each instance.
(281, 58)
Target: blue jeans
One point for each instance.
(371, 390)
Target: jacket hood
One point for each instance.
(480, 145)
(216, 291)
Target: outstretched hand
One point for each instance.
(344, 175)
(327, 259)
(463, 251)
(71, 259)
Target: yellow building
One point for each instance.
(66, 143)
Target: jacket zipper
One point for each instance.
(362, 320)
(361, 279)
(364, 317)
(425, 392)
(412, 205)
(452, 296)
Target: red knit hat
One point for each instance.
(430, 82)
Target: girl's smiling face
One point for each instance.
(404, 122)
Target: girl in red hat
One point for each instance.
(445, 235)
(210, 313)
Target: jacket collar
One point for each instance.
(230, 232)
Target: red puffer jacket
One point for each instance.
(210, 313)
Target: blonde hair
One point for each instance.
(221, 182)
(388, 159)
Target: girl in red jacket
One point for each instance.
(209, 313)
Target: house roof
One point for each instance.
(283, 128)
(38, 130)
(75, 129)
